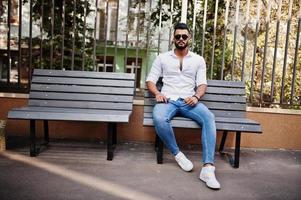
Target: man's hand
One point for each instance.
(160, 98)
(192, 101)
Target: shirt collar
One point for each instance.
(172, 53)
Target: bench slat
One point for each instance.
(82, 81)
(71, 110)
(254, 128)
(213, 97)
(84, 74)
(223, 90)
(210, 105)
(217, 119)
(15, 114)
(82, 89)
(217, 113)
(80, 97)
(223, 83)
(82, 104)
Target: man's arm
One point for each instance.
(153, 89)
(200, 91)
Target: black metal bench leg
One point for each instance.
(115, 135)
(221, 147)
(33, 151)
(159, 150)
(237, 150)
(46, 132)
(110, 142)
(156, 142)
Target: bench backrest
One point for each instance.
(223, 98)
(82, 89)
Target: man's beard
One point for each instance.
(181, 47)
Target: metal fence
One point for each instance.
(254, 41)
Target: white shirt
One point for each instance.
(177, 83)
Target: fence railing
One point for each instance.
(254, 41)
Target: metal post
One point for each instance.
(184, 11)
(224, 39)
(234, 39)
(245, 42)
(286, 51)
(116, 37)
(275, 50)
(19, 44)
(204, 28)
(214, 36)
(63, 34)
(8, 43)
(51, 36)
(73, 38)
(84, 35)
(94, 41)
(265, 50)
(254, 50)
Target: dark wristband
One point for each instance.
(196, 97)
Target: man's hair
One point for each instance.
(181, 26)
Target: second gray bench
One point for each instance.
(77, 96)
(226, 99)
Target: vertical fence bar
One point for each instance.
(51, 37)
(184, 11)
(275, 49)
(245, 42)
(41, 32)
(214, 36)
(224, 39)
(63, 34)
(73, 38)
(94, 40)
(160, 24)
(127, 36)
(286, 50)
(116, 37)
(147, 37)
(193, 22)
(295, 59)
(8, 42)
(30, 43)
(171, 25)
(204, 28)
(234, 38)
(137, 42)
(106, 37)
(19, 44)
(254, 50)
(267, 25)
(84, 35)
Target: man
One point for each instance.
(182, 72)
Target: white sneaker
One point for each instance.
(207, 175)
(184, 163)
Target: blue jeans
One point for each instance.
(164, 112)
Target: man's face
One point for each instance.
(181, 38)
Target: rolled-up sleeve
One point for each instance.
(201, 73)
(156, 71)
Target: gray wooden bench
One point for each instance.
(77, 96)
(226, 99)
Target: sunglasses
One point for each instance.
(179, 36)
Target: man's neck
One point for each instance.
(181, 53)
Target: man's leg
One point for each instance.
(162, 114)
(203, 116)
